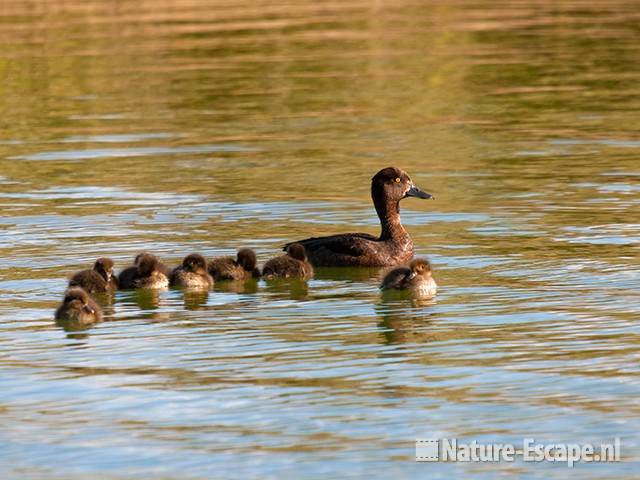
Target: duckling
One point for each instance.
(100, 279)
(243, 267)
(416, 278)
(294, 264)
(147, 272)
(192, 273)
(78, 307)
(394, 245)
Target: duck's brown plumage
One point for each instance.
(100, 279)
(392, 247)
(243, 267)
(78, 307)
(417, 277)
(192, 273)
(293, 264)
(147, 272)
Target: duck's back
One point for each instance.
(285, 266)
(127, 278)
(398, 278)
(91, 281)
(226, 268)
(79, 316)
(355, 249)
(402, 279)
(130, 278)
(184, 278)
(154, 280)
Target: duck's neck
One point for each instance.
(389, 214)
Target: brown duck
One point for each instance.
(293, 264)
(146, 272)
(394, 245)
(417, 278)
(78, 307)
(100, 279)
(192, 273)
(243, 267)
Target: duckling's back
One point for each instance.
(285, 266)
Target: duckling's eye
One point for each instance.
(397, 180)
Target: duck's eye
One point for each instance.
(397, 180)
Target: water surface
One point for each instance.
(179, 126)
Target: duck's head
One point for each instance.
(394, 184)
(194, 263)
(420, 268)
(297, 251)
(77, 299)
(247, 259)
(147, 263)
(104, 266)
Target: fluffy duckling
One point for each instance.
(78, 307)
(147, 272)
(100, 279)
(416, 278)
(192, 273)
(243, 267)
(294, 264)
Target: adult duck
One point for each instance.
(394, 245)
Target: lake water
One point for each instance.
(180, 126)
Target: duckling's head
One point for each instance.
(420, 268)
(104, 266)
(394, 184)
(247, 259)
(147, 263)
(77, 299)
(194, 263)
(136, 261)
(297, 251)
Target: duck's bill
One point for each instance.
(416, 192)
(88, 309)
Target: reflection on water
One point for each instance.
(403, 319)
(237, 286)
(176, 126)
(195, 299)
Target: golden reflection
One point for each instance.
(185, 125)
(239, 286)
(195, 299)
(75, 326)
(144, 298)
(289, 288)
(405, 319)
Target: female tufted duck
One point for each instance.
(98, 280)
(192, 273)
(417, 278)
(293, 264)
(147, 272)
(243, 267)
(392, 247)
(78, 307)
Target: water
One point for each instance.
(179, 126)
